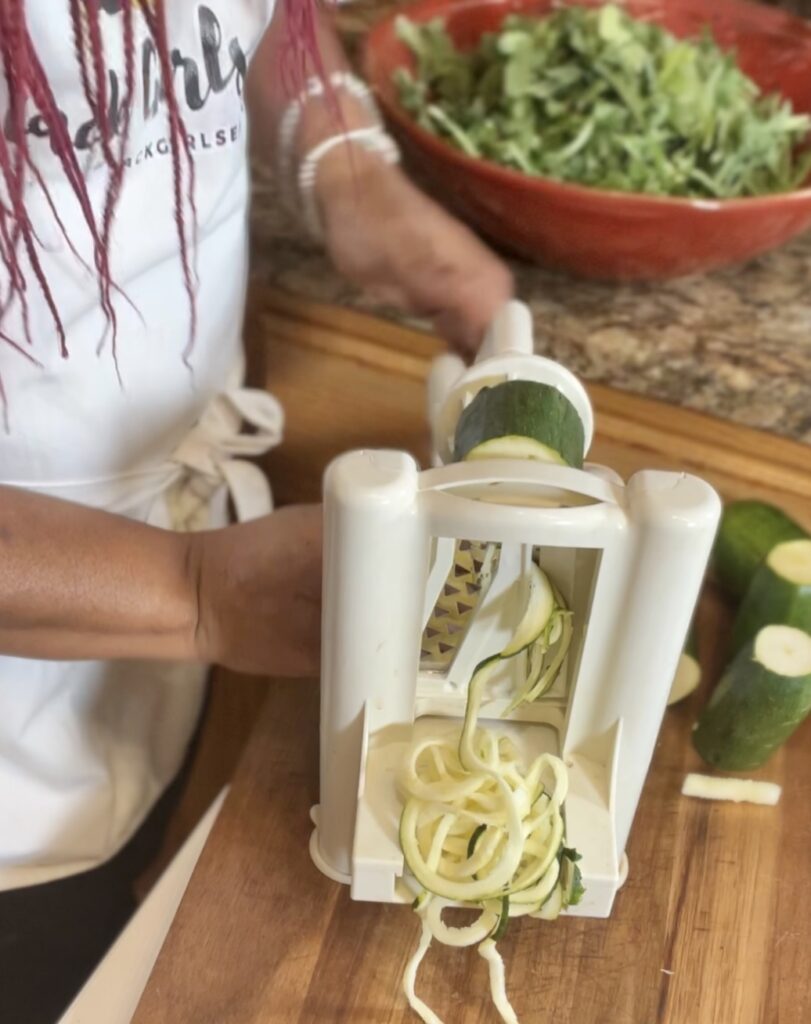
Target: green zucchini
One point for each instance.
(521, 419)
(748, 532)
(779, 594)
(762, 698)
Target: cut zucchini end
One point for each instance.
(687, 678)
(749, 530)
(514, 447)
(784, 650)
(791, 561)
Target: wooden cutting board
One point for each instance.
(712, 926)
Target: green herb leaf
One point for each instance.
(593, 96)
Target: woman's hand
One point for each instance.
(78, 583)
(259, 593)
(385, 236)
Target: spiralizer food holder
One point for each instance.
(426, 574)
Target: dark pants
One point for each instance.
(52, 936)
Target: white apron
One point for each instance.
(87, 748)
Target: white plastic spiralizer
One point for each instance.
(425, 575)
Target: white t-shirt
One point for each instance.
(86, 748)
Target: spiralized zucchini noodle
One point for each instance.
(481, 830)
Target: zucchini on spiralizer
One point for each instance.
(521, 419)
(762, 698)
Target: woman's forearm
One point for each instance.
(378, 230)
(78, 583)
(269, 92)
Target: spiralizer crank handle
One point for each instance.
(509, 333)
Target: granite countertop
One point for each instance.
(736, 343)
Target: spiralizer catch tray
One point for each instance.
(426, 575)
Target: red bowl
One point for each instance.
(598, 233)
